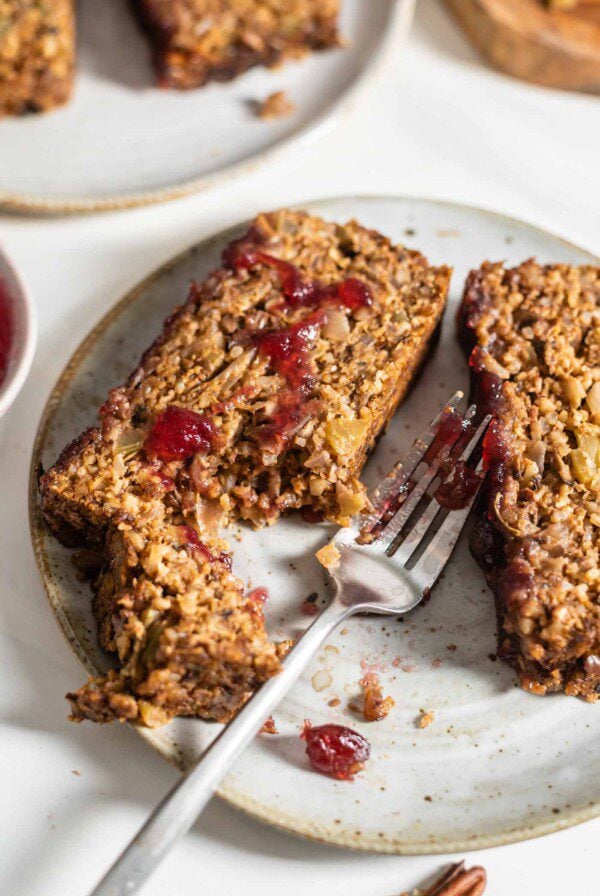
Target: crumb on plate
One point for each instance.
(276, 105)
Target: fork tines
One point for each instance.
(406, 496)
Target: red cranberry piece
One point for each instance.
(259, 595)
(179, 433)
(335, 750)
(269, 727)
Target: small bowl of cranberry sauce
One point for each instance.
(18, 333)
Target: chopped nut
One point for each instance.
(426, 719)
(583, 466)
(276, 105)
(376, 706)
(152, 716)
(346, 436)
(350, 503)
(459, 881)
(336, 326)
(329, 556)
(574, 391)
(593, 401)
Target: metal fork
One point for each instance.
(384, 567)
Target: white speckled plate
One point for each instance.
(121, 142)
(495, 765)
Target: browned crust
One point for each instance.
(533, 328)
(37, 55)
(259, 36)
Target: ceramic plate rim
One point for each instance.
(400, 19)
(267, 814)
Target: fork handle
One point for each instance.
(175, 815)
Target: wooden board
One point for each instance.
(525, 39)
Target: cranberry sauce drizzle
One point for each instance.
(488, 385)
(299, 291)
(496, 455)
(6, 328)
(448, 435)
(335, 750)
(179, 433)
(460, 481)
(490, 399)
(288, 351)
(456, 492)
(194, 543)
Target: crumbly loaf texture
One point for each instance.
(200, 40)
(536, 336)
(106, 491)
(37, 50)
(190, 644)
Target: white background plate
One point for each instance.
(122, 142)
(496, 765)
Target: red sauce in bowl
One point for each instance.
(6, 330)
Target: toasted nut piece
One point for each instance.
(329, 556)
(346, 436)
(589, 443)
(593, 401)
(152, 716)
(574, 391)
(583, 468)
(351, 503)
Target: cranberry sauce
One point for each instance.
(179, 433)
(260, 595)
(460, 480)
(193, 543)
(6, 329)
(449, 434)
(488, 385)
(335, 750)
(458, 490)
(288, 351)
(299, 291)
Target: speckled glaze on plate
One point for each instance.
(496, 765)
(158, 145)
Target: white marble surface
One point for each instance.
(439, 125)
